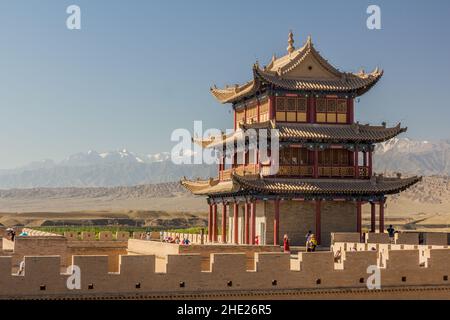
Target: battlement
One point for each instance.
(228, 272)
(403, 237)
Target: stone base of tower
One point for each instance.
(296, 218)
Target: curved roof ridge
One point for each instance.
(307, 49)
(324, 187)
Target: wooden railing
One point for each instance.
(364, 172)
(306, 171)
(336, 172)
(298, 171)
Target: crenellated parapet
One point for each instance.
(303, 274)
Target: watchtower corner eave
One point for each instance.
(256, 186)
(304, 69)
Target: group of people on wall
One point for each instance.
(310, 244)
(11, 234)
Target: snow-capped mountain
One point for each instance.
(405, 145)
(113, 157)
(107, 169)
(412, 156)
(125, 168)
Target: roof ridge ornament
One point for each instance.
(290, 47)
(309, 41)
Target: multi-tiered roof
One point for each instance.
(302, 69)
(305, 72)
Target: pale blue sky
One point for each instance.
(139, 69)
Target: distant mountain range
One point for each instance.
(413, 157)
(110, 169)
(124, 168)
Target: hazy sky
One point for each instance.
(138, 69)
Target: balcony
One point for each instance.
(297, 171)
(337, 172)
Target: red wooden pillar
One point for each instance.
(365, 158)
(372, 217)
(351, 113)
(271, 107)
(236, 223)
(257, 110)
(370, 163)
(318, 221)
(210, 228)
(381, 226)
(276, 223)
(253, 222)
(316, 163)
(245, 114)
(358, 217)
(246, 223)
(356, 163)
(224, 223)
(311, 109)
(214, 223)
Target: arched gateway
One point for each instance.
(325, 158)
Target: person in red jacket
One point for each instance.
(286, 243)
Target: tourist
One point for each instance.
(308, 235)
(257, 240)
(391, 231)
(10, 233)
(177, 240)
(23, 234)
(186, 241)
(286, 244)
(148, 236)
(21, 267)
(311, 244)
(338, 256)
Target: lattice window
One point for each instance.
(342, 111)
(302, 105)
(281, 104)
(331, 110)
(281, 108)
(342, 106)
(240, 116)
(302, 109)
(321, 105)
(252, 114)
(291, 109)
(295, 156)
(304, 156)
(331, 105)
(285, 156)
(264, 111)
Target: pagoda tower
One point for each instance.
(325, 172)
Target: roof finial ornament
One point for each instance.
(291, 47)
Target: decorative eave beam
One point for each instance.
(295, 197)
